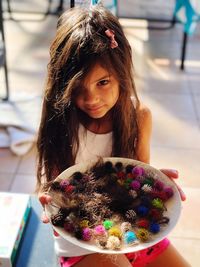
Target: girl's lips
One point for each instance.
(94, 108)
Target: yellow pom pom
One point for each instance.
(142, 234)
(84, 223)
(115, 231)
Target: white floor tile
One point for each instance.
(186, 161)
(23, 184)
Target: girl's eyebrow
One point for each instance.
(102, 78)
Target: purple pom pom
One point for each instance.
(158, 185)
(87, 234)
(169, 191)
(135, 185)
(64, 183)
(138, 171)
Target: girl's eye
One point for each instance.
(103, 82)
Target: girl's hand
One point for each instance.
(173, 174)
(44, 199)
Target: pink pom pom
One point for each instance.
(99, 230)
(64, 183)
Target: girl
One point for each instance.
(90, 109)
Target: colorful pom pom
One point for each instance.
(107, 224)
(69, 188)
(131, 215)
(113, 242)
(142, 210)
(129, 168)
(115, 231)
(78, 233)
(120, 182)
(142, 223)
(133, 193)
(121, 175)
(147, 188)
(130, 176)
(169, 191)
(157, 203)
(158, 185)
(119, 166)
(87, 234)
(149, 181)
(108, 166)
(125, 226)
(55, 185)
(78, 176)
(84, 223)
(138, 171)
(130, 237)
(154, 228)
(101, 241)
(64, 183)
(155, 214)
(69, 227)
(58, 220)
(142, 234)
(99, 230)
(128, 181)
(135, 185)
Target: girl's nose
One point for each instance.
(91, 96)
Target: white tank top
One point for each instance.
(91, 145)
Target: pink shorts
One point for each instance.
(138, 259)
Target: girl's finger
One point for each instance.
(55, 233)
(173, 174)
(44, 217)
(170, 173)
(182, 194)
(45, 199)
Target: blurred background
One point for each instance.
(165, 38)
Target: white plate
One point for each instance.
(173, 206)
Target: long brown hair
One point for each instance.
(79, 44)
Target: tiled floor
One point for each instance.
(172, 95)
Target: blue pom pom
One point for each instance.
(130, 237)
(154, 228)
(142, 210)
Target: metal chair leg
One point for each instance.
(183, 52)
(6, 77)
(4, 53)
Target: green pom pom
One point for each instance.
(107, 224)
(157, 203)
(149, 181)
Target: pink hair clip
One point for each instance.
(111, 35)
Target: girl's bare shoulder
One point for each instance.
(144, 133)
(144, 115)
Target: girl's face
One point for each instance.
(99, 92)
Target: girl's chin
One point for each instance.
(100, 115)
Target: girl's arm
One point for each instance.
(144, 133)
(143, 145)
